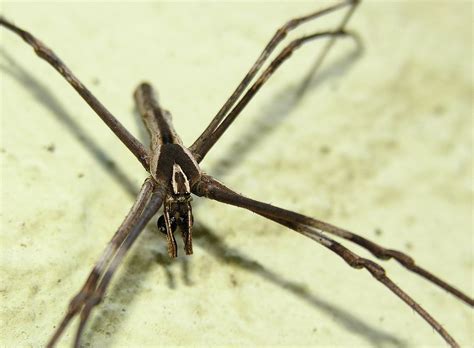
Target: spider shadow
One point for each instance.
(140, 263)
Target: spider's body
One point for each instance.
(174, 165)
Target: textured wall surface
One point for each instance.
(380, 144)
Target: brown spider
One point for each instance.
(172, 250)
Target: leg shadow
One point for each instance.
(279, 108)
(146, 255)
(45, 97)
(228, 255)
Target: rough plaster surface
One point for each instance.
(381, 144)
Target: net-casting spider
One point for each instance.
(175, 174)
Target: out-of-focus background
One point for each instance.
(381, 144)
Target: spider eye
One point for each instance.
(162, 224)
(182, 198)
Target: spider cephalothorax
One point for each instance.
(174, 164)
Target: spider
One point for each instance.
(173, 251)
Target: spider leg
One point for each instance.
(387, 254)
(377, 271)
(172, 246)
(115, 126)
(148, 201)
(211, 188)
(225, 195)
(200, 151)
(151, 209)
(203, 143)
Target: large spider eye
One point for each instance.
(162, 224)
